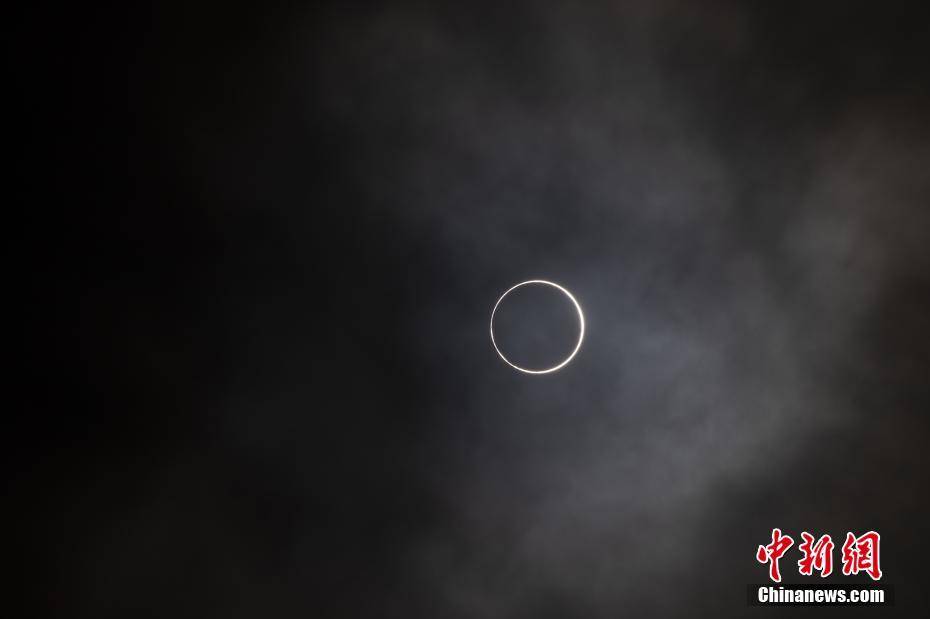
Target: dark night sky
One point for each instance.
(261, 246)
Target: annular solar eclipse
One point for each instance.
(571, 355)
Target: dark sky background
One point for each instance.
(263, 243)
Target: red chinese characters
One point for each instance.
(773, 552)
(860, 554)
(817, 556)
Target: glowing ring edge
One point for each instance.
(580, 322)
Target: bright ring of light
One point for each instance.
(580, 323)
